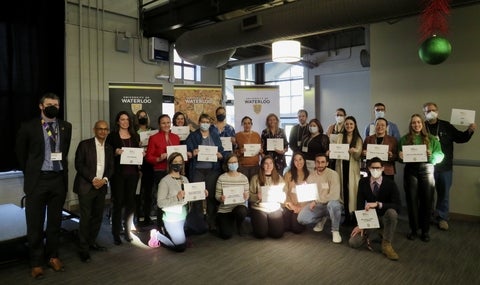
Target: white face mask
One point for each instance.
(431, 116)
(339, 119)
(376, 173)
(313, 130)
(379, 114)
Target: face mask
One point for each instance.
(204, 126)
(379, 114)
(313, 130)
(376, 173)
(431, 116)
(339, 119)
(143, 121)
(233, 166)
(221, 117)
(177, 167)
(51, 112)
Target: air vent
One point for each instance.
(251, 22)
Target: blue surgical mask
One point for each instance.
(233, 166)
(204, 126)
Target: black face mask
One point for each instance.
(221, 117)
(177, 167)
(143, 121)
(51, 112)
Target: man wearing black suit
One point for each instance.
(380, 194)
(42, 149)
(94, 165)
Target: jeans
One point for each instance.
(312, 216)
(443, 182)
(389, 222)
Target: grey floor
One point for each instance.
(310, 258)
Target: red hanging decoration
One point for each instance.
(434, 18)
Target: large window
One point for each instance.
(237, 75)
(185, 70)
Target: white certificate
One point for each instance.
(132, 155)
(251, 149)
(233, 194)
(182, 132)
(227, 143)
(273, 193)
(306, 192)
(194, 191)
(144, 136)
(207, 153)
(377, 150)
(414, 153)
(462, 117)
(274, 144)
(339, 151)
(177, 148)
(367, 219)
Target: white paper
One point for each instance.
(273, 193)
(233, 194)
(306, 192)
(462, 117)
(367, 219)
(182, 131)
(132, 156)
(339, 151)
(227, 143)
(415, 153)
(194, 191)
(377, 150)
(274, 144)
(251, 149)
(177, 148)
(207, 153)
(371, 130)
(144, 136)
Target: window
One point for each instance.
(185, 70)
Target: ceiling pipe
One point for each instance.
(212, 46)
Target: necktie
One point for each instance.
(376, 189)
(53, 142)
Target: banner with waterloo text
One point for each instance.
(256, 102)
(194, 100)
(132, 97)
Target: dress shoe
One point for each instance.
(97, 247)
(117, 240)
(85, 257)
(37, 272)
(412, 236)
(425, 237)
(56, 264)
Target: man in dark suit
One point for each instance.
(94, 165)
(42, 149)
(375, 192)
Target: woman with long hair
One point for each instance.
(273, 131)
(248, 164)
(315, 142)
(296, 175)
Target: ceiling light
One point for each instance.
(286, 51)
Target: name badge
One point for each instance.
(299, 143)
(56, 156)
(305, 149)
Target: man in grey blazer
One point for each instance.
(42, 146)
(94, 165)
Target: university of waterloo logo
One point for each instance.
(257, 108)
(135, 107)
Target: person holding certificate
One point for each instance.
(418, 178)
(125, 176)
(381, 195)
(274, 142)
(335, 129)
(224, 130)
(232, 192)
(349, 170)
(180, 120)
(267, 217)
(297, 175)
(315, 142)
(299, 131)
(204, 167)
(381, 138)
(249, 149)
(171, 199)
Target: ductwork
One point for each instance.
(213, 45)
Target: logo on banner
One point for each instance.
(257, 108)
(135, 107)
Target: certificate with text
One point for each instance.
(132, 156)
(233, 194)
(273, 193)
(177, 148)
(367, 219)
(274, 144)
(339, 151)
(194, 191)
(182, 131)
(377, 150)
(415, 153)
(306, 192)
(251, 149)
(207, 153)
(227, 143)
(462, 117)
(144, 136)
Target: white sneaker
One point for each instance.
(336, 237)
(319, 226)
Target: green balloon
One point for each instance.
(435, 50)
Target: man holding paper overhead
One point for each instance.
(328, 202)
(377, 193)
(447, 134)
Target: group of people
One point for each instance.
(246, 177)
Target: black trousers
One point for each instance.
(123, 197)
(146, 190)
(291, 223)
(226, 221)
(92, 206)
(49, 194)
(267, 223)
